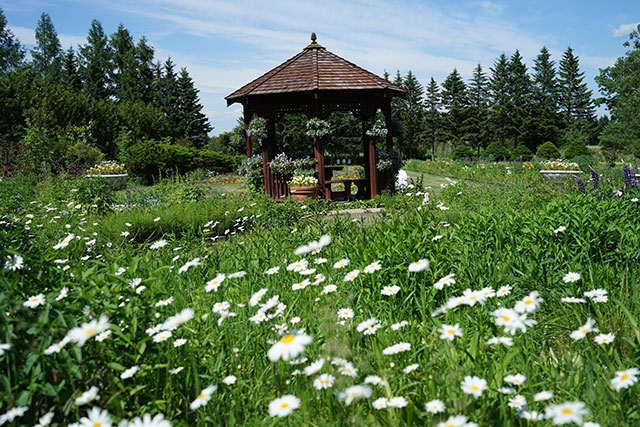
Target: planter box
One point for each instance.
(559, 174)
(115, 181)
(302, 193)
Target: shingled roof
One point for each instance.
(315, 69)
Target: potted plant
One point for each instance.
(303, 186)
(388, 165)
(318, 128)
(113, 172)
(559, 169)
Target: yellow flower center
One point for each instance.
(475, 387)
(567, 411)
(97, 424)
(506, 318)
(287, 339)
(624, 377)
(91, 331)
(284, 405)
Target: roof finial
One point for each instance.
(313, 37)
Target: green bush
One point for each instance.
(522, 152)
(548, 150)
(635, 151)
(91, 194)
(151, 160)
(461, 152)
(498, 151)
(576, 148)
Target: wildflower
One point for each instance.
(103, 336)
(237, 274)
(435, 406)
(604, 338)
(179, 342)
(158, 244)
(298, 266)
(571, 277)
(410, 368)
(542, 396)
(301, 285)
(12, 414)
(229, 380)
(324, 381)
(82, 333)
(369, 326)
(44, 420)
(14, 263)
(203, 398)
(473, 386)
(64, 242)
(517, 402)
(567, 412)
(314, 367)
(573, 300)
(625, 379)
(390, 290)
(63, 293)
(447, 280)
(189, 264)
(146, 421)
(454, 421)
(56, 347)
(34, 301)
(283, 406)
(88, 396)
(595, 178)
(397, 348)
(511, 320)
(419, 265)
(506, 390)
(177, 370)
(355, 392)
(399, 325)
(517, 379)
(449, 332)
(272, 270)
(531, 415)
(162, 336)
(373, 267)
(314, 246)
(351, 276)
(164, 302)
(581, 332)
(129, 372)
(289, 347)
(374, 380)
(597, 295)
(397, 402)
(156, 219)
(500, 340)
(503, 291)
(341, 264)
(328, 289)
(345, 313)
(528, 304)
(380, 403)
(560, 229)
(348, 370)
(4, 348)
(173, 322)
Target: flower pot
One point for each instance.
(302, 193)
(115, 181)
(559, 174)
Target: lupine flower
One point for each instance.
(581, 186)
(595, 179)
(630, 180)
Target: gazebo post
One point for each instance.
(318, 151)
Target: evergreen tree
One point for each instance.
(499, 90)
(166, 94)
(70, 73)
(478, 90)
(47, 55)
(411, 114)
(519, 98)
(575, 99)
(546, 121)
(192, 125)
(11, 51)
(455, 102)
(124, 71)
(433, 120)
(95, 63)
(145, 73)
(619, 85)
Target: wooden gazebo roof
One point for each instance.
(316, 82)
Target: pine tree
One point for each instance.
(70, 73)
(519, 98)
(433, 117)
(124, 71)
(575, 99)
(95, 63)
(478, 90)
(411, 114)
(545, 118)
(145, 73)
(11, 51)
(455, 102)
(193, 124)
(499, 90)
(166, 94)
(47, 55)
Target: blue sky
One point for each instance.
(225, 43)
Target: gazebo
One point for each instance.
(316, 82)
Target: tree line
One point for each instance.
(61, 109)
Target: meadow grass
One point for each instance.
(476, 305)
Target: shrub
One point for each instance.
(548, 150)
(522, 152)
(576, 148)
(93, 194)
(251, 170)
(498, 151)
(461, 152)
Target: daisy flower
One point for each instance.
(567, 412)
(411, 368)
(272, 270)
(314, 367)
(328, 289)
(177, 370)
(454, 421)
(560, 229)
(214, 284)
(88, 396)
(4, 348)
(397, 348)
(158, 244)
(341, 264)
(324, 381)
(581, 332)
(63, 293)
(571, 277)
(447, 280)
(298, 266)
(13, 263)
(529, 304)
(517, 402)
(96, 417)
(162, 336)
(373, 267)
(179, 342)
(435, 406)
(531, 415)
(449, 332)
(473, 386)
(345, 313)
(397, 402)
(419, 265)
(374, 380)
(399, 325)
(390, 290)
(503, 291)
(164, 302)
(542, 396)
(625, 379)
(13, 413)
(129, 372)
(289, 347)
(229, 380)
(34, 301)
(517, 379)
(351, 276)
(203, 398)
(45, 420)
(194, 262)
(604, 338)
(500, 340)
(283, 406)
(237, 274)
(82, 333)
(379, 403)
(355, 392)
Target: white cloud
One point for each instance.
(625, 29)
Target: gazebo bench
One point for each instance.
(345, 194)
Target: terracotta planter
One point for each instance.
(302, 193)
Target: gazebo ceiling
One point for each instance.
(315, 72)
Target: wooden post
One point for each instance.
(373, 171)
(318, 148)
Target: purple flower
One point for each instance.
(580, 182)
(630, 180)
(595, 179)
